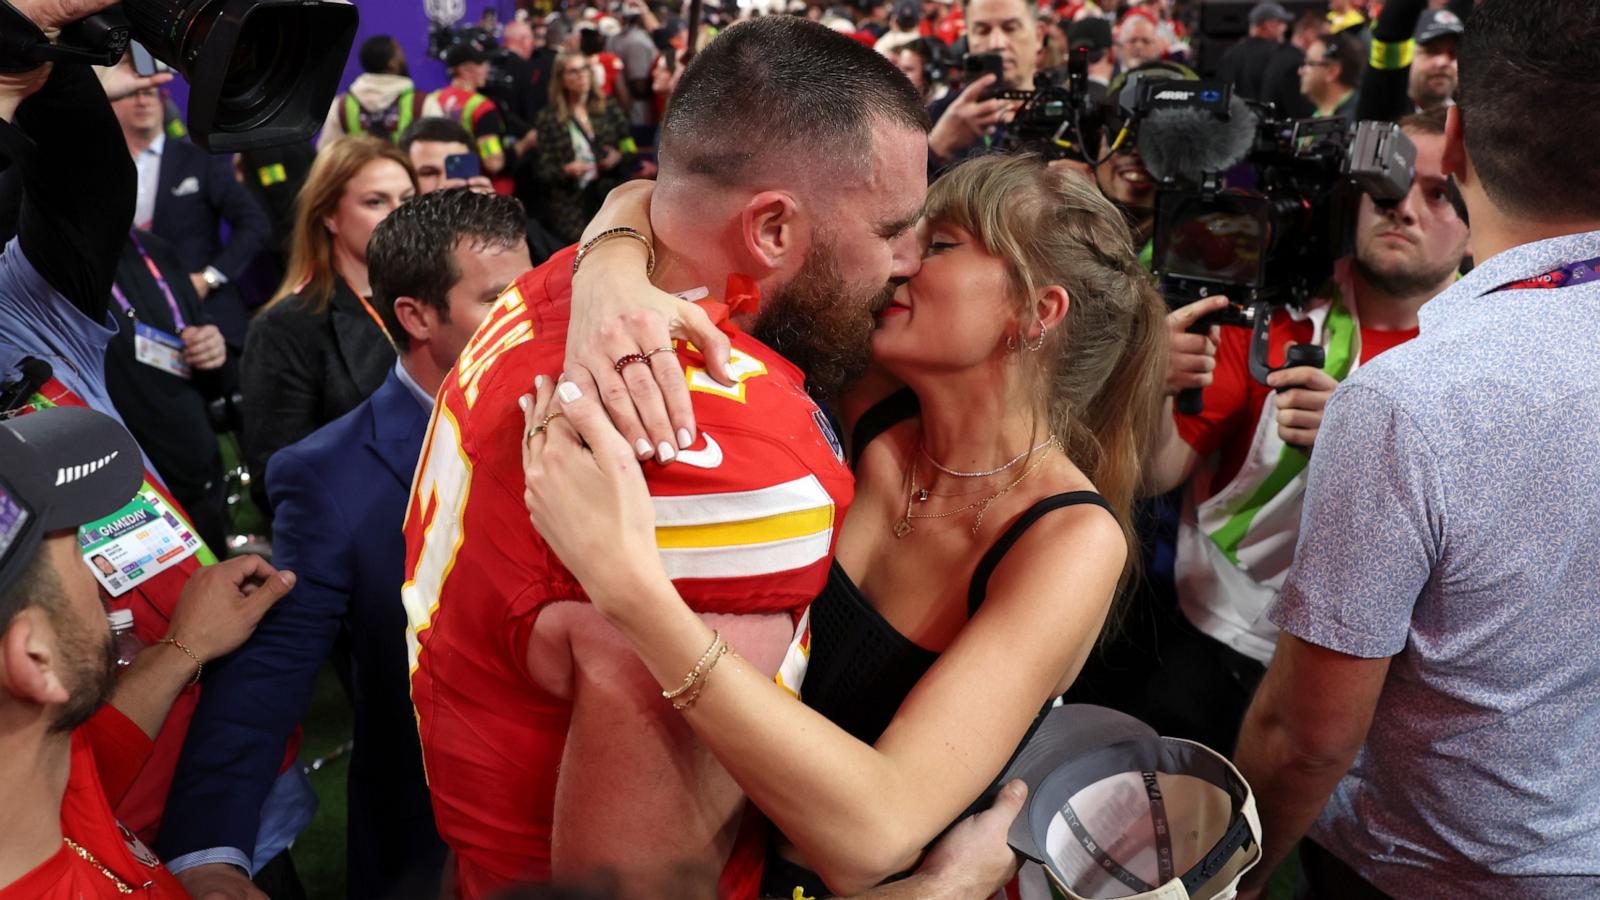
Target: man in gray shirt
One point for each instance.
(1436, 684)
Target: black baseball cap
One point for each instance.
(59, 468)
(1091, 32)
(1268, 12)
(463, 53)
(1437, 23)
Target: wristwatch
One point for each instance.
(213, 278)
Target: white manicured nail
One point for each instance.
(569, 392)
(684, 438)
(642, 447)
(665, 453)
(524, 403)
(538, 382)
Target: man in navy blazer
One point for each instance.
(339, 496)
(185, 194)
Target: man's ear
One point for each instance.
(769, 225)
(30, 663)
(416, 317)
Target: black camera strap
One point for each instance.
(19, 38)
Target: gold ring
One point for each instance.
(666, 349)
(543, 426)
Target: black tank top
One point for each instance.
(861, 668)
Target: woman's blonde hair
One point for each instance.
(310, 271)
(596, 101)
(1102, 368)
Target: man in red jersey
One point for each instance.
(61, 468)
(792, 172)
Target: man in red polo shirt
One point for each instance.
(61, 468)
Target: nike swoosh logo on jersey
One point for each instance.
(709, 458)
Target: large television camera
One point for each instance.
(1270, 244)
(260, 72)
(1059, 118)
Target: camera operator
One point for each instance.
(1244, 455)
(922, 61)
(968, 123)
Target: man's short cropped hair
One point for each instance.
(1529, 102)
(37, 585)
(377, 52)
(782, 90)
(434, 130)
(1345, 50)
(412, 251)
(1429, 122)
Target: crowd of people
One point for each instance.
(709, 459)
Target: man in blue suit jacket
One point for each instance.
(185, 194)
(339, 497)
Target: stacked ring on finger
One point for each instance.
(629, 359)
(667, 349)
(543, 426)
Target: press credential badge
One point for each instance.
(136, 543)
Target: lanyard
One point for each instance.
(1565, 276)
(166, 290)
(373, 313)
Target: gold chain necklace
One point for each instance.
(904, 526)
(122, 886)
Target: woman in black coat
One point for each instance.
(583, 144)
(321, 348)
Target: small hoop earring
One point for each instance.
(1037, 343)
(1011, 343)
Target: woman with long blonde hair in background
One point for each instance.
(320, 348)
(975, 569)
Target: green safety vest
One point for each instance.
(352, 115)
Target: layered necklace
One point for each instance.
(916, 494)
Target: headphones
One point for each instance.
(932, 52)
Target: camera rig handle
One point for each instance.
(98, 40)
(1294, 356)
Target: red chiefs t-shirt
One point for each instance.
(1234, 401)
(86, 819)
(746, 521)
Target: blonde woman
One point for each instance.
(583, 141)
(980, 559)
(319, 348)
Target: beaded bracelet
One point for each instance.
(198, 665)
(590, 244)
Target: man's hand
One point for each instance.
(478, 184)
(610, 160)
(201, 286)
(1191, 358)
(219, 881)
(577, 168)
(53, 14)
(16, 87)
(121, 81)
(1304, 391)
(222, 604)
(203, 347)
(973, 859)
(967, 119)
(527, 142)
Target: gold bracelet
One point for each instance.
(694, 673)
(700, 683)
(198, 665)
(622, 231)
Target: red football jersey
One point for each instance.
(745, 522)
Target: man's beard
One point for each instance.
(91, 661)
(819, 323)
(1403, 279)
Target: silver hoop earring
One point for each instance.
(1038, 343)
(1011, 343)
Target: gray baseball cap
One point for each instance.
(1116, 811)
(1269, 11)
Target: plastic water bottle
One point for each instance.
(127, 643)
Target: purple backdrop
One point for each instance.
(408, 23)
